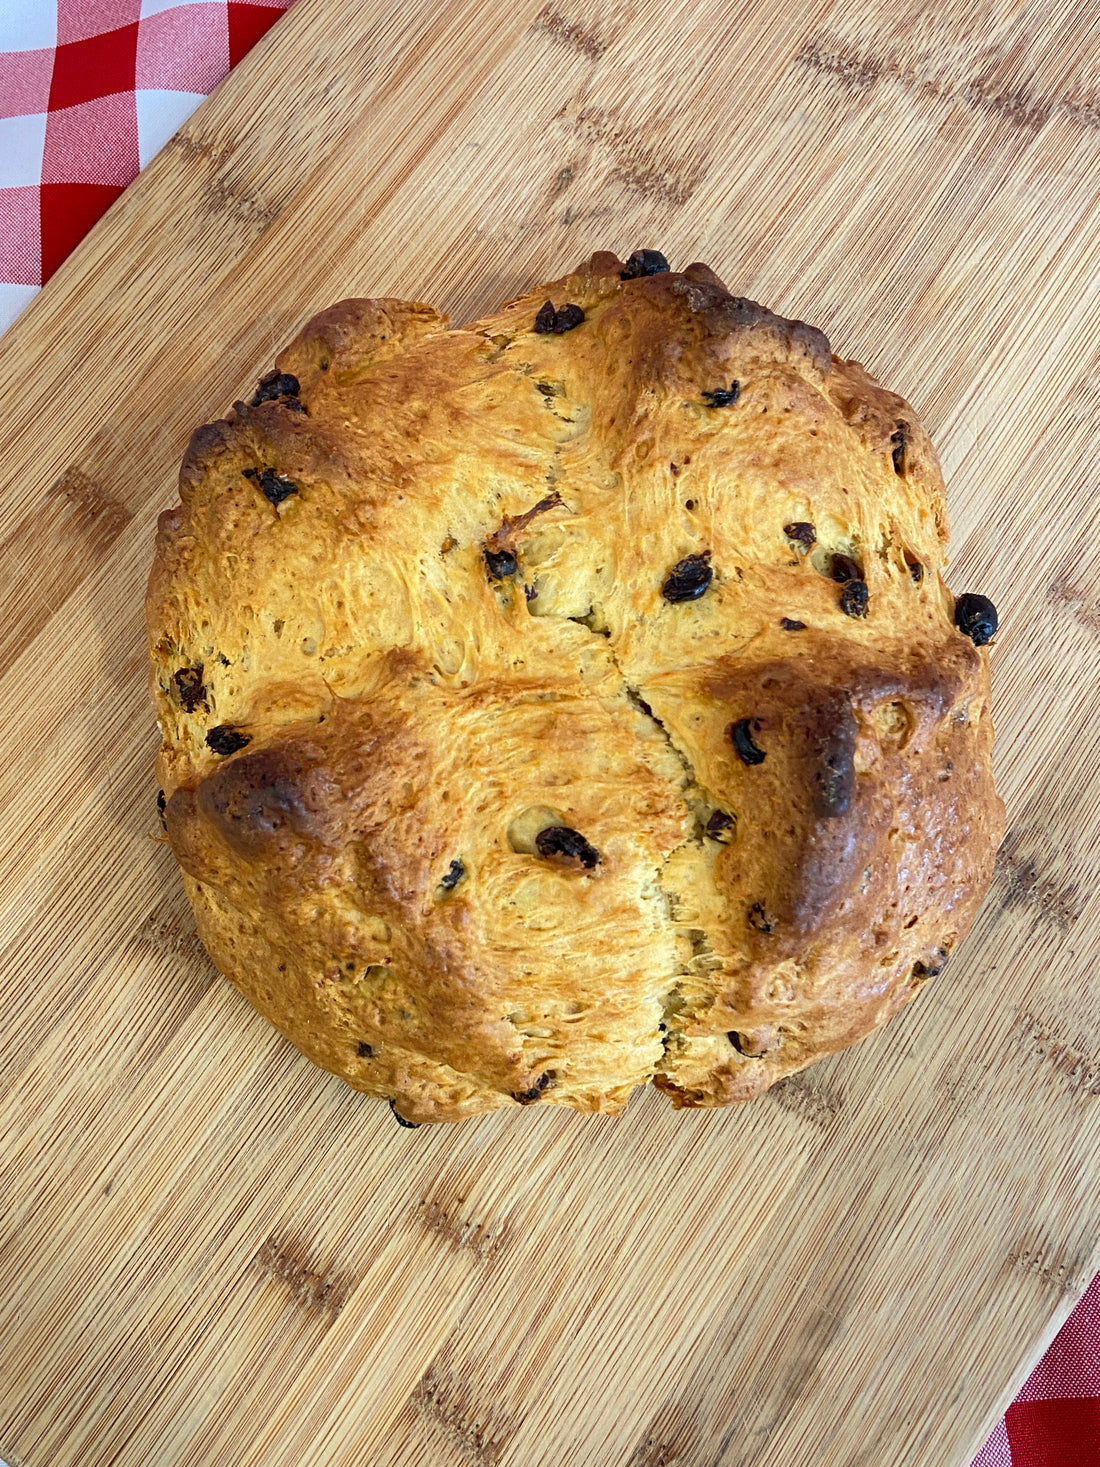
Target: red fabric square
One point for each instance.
(96, 142)
(68, 211)
(25, 81)
(20, 236)
(1054, 1433)
(96, 67)
(247, 23)
(183, 50)
(77, 20)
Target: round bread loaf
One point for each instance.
(571, 700)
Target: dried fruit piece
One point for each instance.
(790, 625)
(758, 918)
(561, 840)
(190, 689)
(854, 598)
(741, 738)
(548, 320)
(456, 871)
(976, 617)
(844, 568)
(275, 384)
(500, 555)
(802, 532)
(723, 396)
(227, 740)
(719, 825)
(365, 1050)
(688, 578)
(401, 1121)
(567, 318)
(898, 444)
(644, 262)
(528, 1097)
(501, 563)
(275, 488)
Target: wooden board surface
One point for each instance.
(211, 1253)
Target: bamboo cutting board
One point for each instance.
(211, 1253)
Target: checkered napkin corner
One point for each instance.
(89, 91)
(1055, 1419)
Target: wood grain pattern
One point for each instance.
(211, 1253)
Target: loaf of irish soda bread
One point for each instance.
(571, 700)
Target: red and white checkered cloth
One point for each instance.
(1055, 1419)
(89, 91)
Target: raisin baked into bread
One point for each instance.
(571, 700)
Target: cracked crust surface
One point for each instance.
(447, 643)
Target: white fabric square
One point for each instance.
(997, 1451)
(22, 143)
(13, 299)
(154, 7)
(159, 115)
(28, 25)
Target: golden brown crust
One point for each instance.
(410, 624)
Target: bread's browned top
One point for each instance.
(452, 636)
